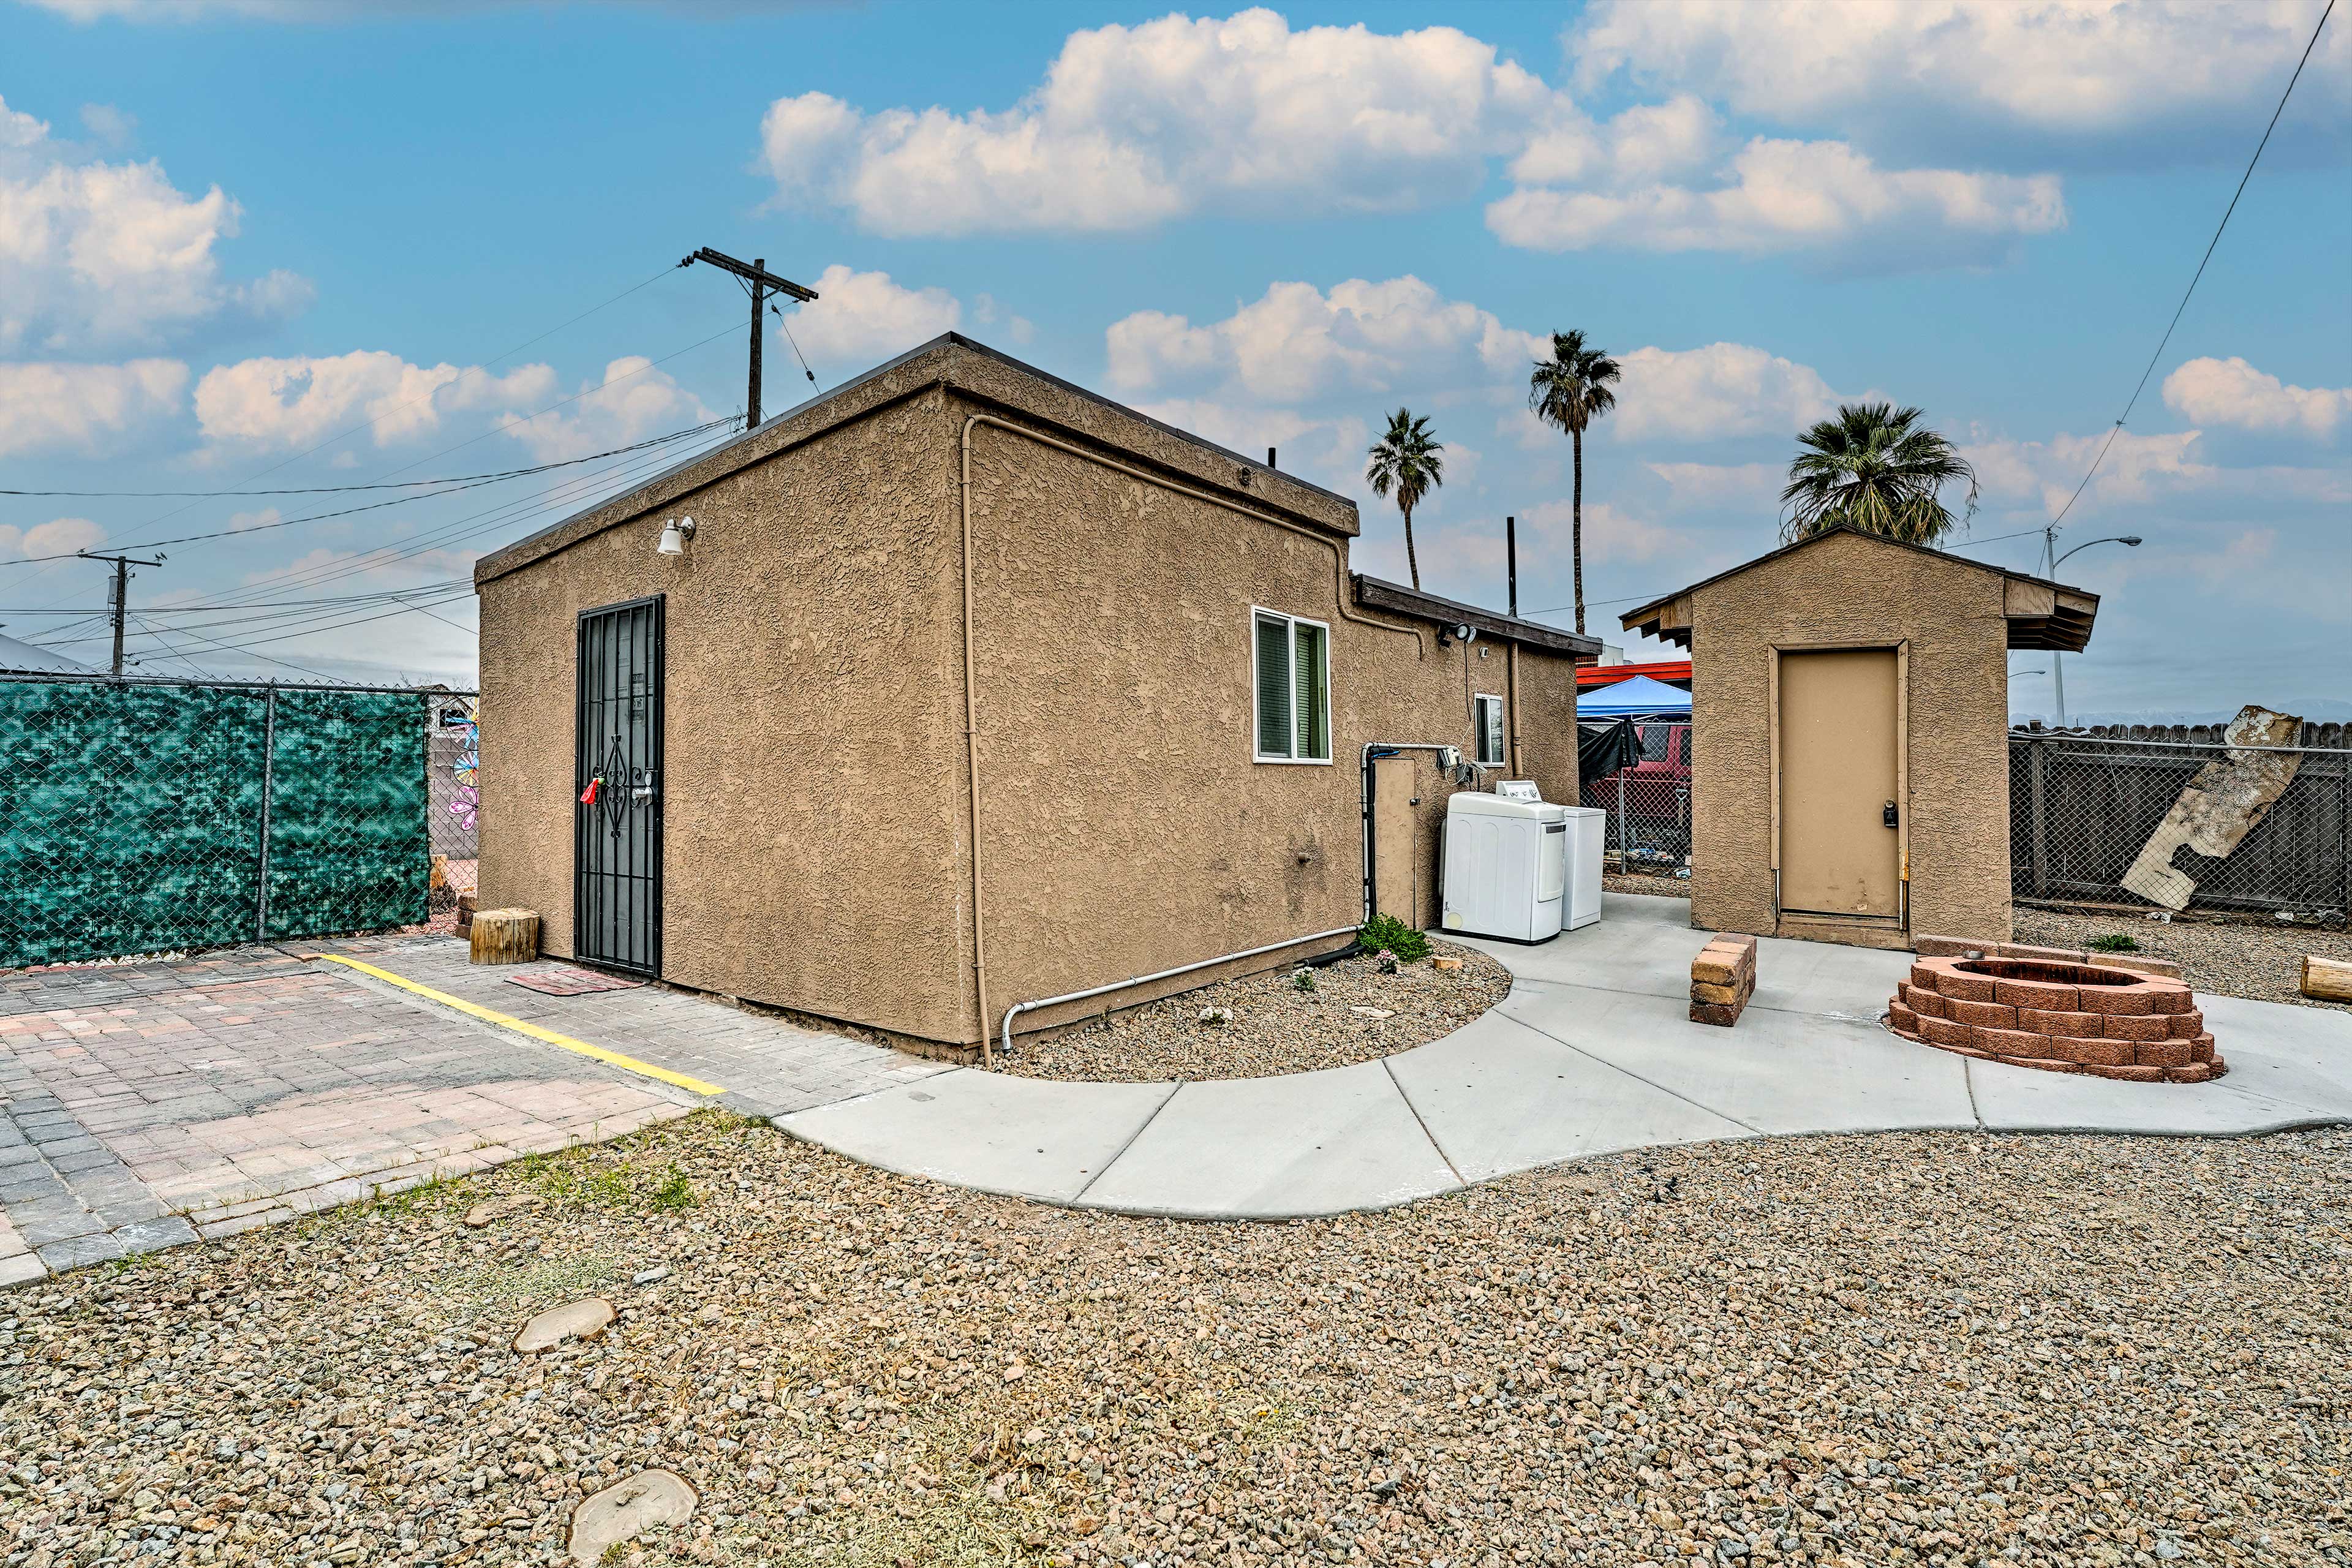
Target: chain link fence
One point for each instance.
(2082, 808)
(150, 815)
(1649, 804)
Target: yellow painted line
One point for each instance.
(522, 1026)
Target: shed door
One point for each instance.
(617, 813)
(1839, 852)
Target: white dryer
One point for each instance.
(1505, 863)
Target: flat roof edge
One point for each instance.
(1377, 593)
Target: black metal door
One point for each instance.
(616, 834)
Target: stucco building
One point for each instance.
(970, 687)
(1850, 719)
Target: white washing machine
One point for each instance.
(1588, 841)
(1507, 863)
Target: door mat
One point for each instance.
(562, 980)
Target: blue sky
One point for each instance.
(233, 231)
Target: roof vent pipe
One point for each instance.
(1269, 456)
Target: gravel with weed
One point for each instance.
(1276, 1027)
(1932, 1348)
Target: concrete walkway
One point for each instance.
(1592, 1053)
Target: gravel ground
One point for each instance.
(1277, 1027)
(2114, 1351)
(2230, 958)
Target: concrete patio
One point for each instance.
(1592, 1053)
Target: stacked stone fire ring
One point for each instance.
(2061, 1017)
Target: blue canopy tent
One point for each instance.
(1636, 696)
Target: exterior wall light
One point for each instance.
(674, 535)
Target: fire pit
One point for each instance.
(2063, 1018)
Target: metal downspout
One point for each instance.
(971, 699)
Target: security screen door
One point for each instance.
(616, 831)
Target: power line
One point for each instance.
(454, 487)
(413, 402)
(379, 485)
(456, 530)
(2116, 428)
(377, 560)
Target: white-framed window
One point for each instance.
(1486, 720)
(1290, 673)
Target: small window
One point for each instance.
(1486, 712)
(1290, 663)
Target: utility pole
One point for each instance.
(756, 273)
(118, 593)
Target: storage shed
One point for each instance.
(1849, 770)
(968, 687)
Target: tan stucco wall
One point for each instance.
(1850, 591)
(813, 846)
(816, 852)
(1125, 827)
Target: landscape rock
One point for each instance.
(573, 1320)
(625, 1510)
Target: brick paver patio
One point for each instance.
(148, 1105)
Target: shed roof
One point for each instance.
(976, 371)
(2041, 613)
(1374, 593)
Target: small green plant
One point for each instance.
(1386, 934)
(2114, 941)
(1302, 979)
(674, 1191)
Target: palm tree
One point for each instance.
(1405, 459)
(1570, 391)
(1873, 467)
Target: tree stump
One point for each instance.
(2326, 979)
(504, 936)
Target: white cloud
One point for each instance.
(1752, 487)
(2232, 392)
(97, 255)
(1610, 532)
(632, 401)
(1133, 126)
(859, 319)
(303, 400)
(2045, 473)
(1296, 341)
(1403, 339)
(2053, 76)
(58, 536)
(1723, 389)
(45, 407)
(1781, 195)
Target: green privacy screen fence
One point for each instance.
(145, 818)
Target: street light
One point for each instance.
(2050, 543)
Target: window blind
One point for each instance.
(1273, 704)
(1313, 693)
